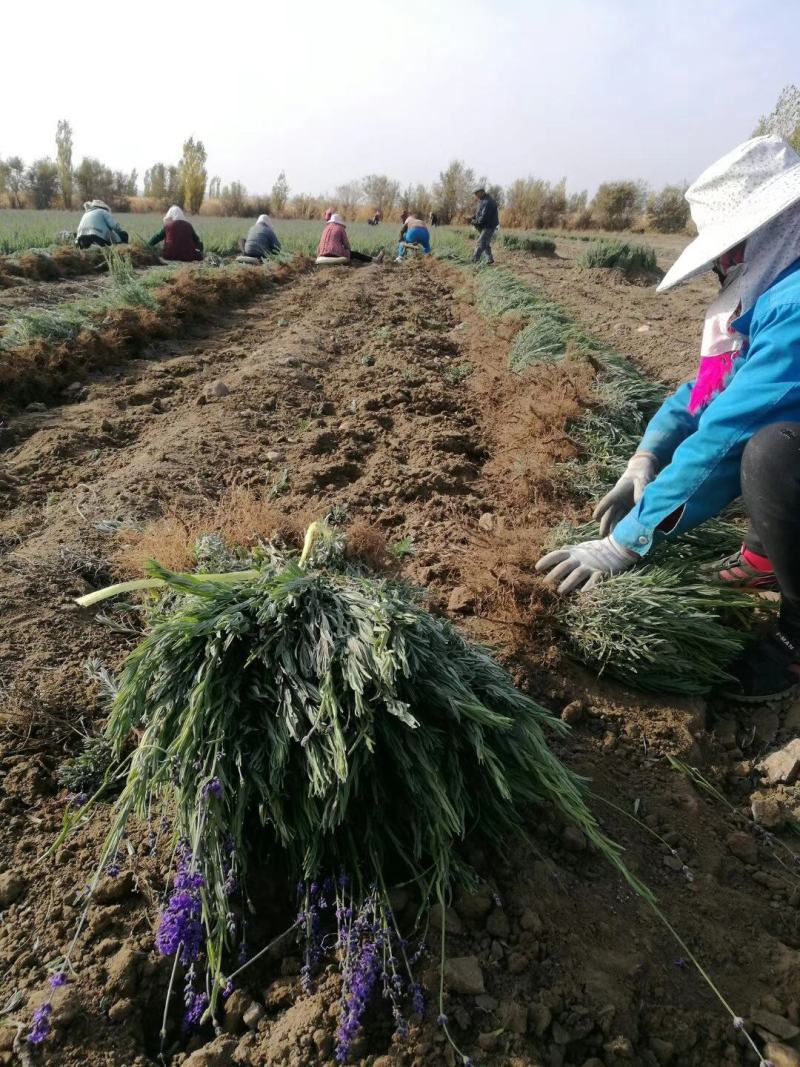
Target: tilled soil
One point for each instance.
(384, 392)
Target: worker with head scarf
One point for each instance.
(181, 242)
(735, 429)
(98, 226)
(261, 239)
(334, 245)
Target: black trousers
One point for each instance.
(771, 495)
(87, 240)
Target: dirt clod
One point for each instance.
(463, 975)
(12, 886)
(461, 600)
(775, 1024)
(782, 766)
(113, 888)
(743, 847)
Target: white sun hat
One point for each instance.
(733, 198)
(336, 217)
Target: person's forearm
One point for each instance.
(671, 424)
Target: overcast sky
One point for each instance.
(587, 89)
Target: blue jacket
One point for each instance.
(97, 222)
(703, 453)
(261, 241)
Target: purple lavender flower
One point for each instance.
(417, 999)
(112, 869)
(226, 992)
(213, 787)
(681, 963)
(40, 1027)
(57, 979)
(196, 1004)
(364, 942)
(180, 927)
(400, 1025)
(244, 952)
(442, 1020)
(77, 800)
(738, 1022)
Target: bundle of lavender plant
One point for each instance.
(665, 626)
(304, 714)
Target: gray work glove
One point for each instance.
(583, 566)
(615, 505)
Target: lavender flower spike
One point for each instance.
(213, 787)
(57, 979)
(41, 1024)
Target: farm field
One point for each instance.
(23, 229)
(412, 402)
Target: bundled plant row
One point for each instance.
(661, 627)
(301, 716)
(43, 349)
(636, 262)
(534, 244)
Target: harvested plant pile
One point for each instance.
(304, 717)
(42, 350)
(66, 261)
(635, 262)
(537, 246)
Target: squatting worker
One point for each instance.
(261, 239)
(99, 227)
(735, 429)
(181, 243)
(413, 232)
(486, 221)
(334, 243)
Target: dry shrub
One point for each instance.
(367, 543)
(39, 266)
(241, 517)
(500, 572)
(537, 441)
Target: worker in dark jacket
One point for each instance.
(486, 221)
(261, 239)
(181, 243)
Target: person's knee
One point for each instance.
(772, 452)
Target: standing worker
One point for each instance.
(99, 227)
(181, 243)
(735, 429)
(486, 220)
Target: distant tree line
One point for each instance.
(529, 203)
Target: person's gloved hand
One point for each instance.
(615, 505)
(583, 566)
